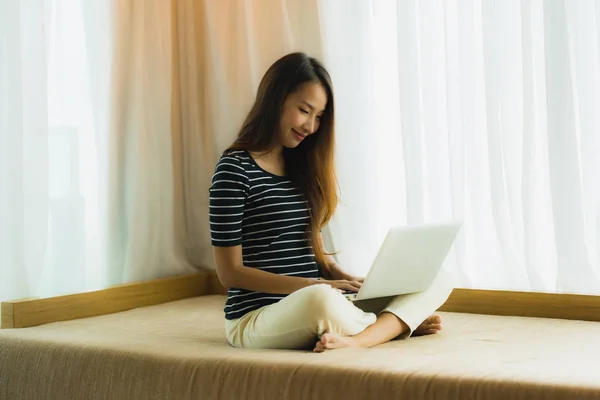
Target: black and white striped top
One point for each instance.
(268, 216)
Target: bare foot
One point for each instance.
(332, 340)
(430, 326)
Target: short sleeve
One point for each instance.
(227, 200)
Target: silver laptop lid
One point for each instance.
(409, 259)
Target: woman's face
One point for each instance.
(301, 114)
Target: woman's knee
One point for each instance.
(321, 302)
(328, 310)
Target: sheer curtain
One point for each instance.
(51, 230)
(223, 49)
(143, 211)
(112, 117)
(87, 181)
(476, 110)
(480, 111)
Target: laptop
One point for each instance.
(408, 261)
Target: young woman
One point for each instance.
(272, 192)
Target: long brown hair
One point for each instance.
(310, 165)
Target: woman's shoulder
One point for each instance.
(235, 157)
(233, 161)
(238, 156)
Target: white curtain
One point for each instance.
(113, 115)
(477, 110)
(51, 230)
(86, 168)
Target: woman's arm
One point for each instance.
(232, 273)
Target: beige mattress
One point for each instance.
(178, 351)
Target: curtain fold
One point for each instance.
(114, 114)
(143, 243)
(570, 130)
(491, 123)
(23, 184)
(50, 224)
(112, 121)
(223, 49)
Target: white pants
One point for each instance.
(296, 321)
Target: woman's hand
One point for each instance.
(339, 274)
(344, 285)
(354, 278)
(336, 273)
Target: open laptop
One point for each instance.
(408, 261)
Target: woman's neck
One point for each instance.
(271, 161)
(275, 155)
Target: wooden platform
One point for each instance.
(33, 312)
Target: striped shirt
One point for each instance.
(268, 216)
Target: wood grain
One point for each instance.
(524, 304)
(33, 312)
(8, 315)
